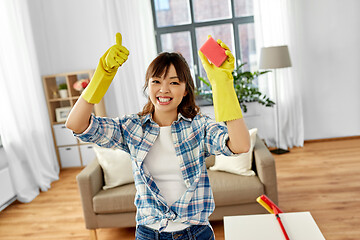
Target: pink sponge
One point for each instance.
(214, 52)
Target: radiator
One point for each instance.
(7, 194)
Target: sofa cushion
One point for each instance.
(233, 189)
(238, 164)
(116, 165)
(228, 189)
(115, 200)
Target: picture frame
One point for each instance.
(62, 113)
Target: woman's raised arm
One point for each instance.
(114, 57)
(79, 117)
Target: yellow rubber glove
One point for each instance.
(226, 104)
(105, 72)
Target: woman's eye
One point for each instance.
(155, 81)
(175, 83)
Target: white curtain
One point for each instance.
(133, 19)
(276, 24)
(25, 129)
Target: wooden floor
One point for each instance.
(322, 177)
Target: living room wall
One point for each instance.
(68, 36)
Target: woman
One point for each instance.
(168, 141)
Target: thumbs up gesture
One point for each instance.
(115, 56)
(105, 72)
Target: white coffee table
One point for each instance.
(298, 225)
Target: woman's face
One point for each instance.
(167, 92)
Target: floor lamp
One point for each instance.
(274, 58)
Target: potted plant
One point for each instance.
(245, 88)
(63, 90)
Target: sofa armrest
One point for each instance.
(265, 165)
(90, 181)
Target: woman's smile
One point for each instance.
(164, 100)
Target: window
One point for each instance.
(183, 26)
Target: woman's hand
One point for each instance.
(218, 74)
(115, 56)
(226, 104)
(105, 72)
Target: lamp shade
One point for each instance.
(274, 57)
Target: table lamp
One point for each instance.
(274, 58)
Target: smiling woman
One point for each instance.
(168, 141)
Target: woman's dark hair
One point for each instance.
(158, 67)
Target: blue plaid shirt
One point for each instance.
(193, 139)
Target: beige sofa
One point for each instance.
(233, 194)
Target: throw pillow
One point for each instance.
(239, 164)
(116, 165)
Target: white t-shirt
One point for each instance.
(164, 166)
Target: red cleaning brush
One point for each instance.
(268, 204)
